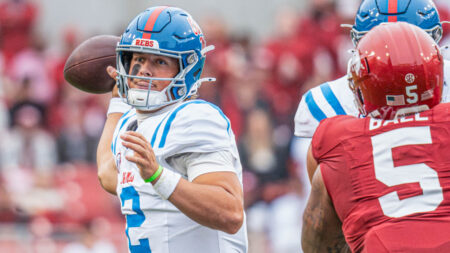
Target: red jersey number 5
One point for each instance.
(386, 173)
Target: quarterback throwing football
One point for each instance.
(170, 158)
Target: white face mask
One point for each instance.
(144, 98)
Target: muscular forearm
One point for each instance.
(313, 240)
(107, 172)
(321, 226)
(216, 206)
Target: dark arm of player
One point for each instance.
(311, 163)
(321, 226)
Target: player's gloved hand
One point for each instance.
(143, 155)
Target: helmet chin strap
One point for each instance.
(205, 79)
(207, 49)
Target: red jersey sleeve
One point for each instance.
(331, 132)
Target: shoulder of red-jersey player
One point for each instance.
(441, 112)
(332, 131)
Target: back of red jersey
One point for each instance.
(389, 180)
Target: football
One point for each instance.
(85, 68)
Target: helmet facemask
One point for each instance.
(435, 33)
(150, 99)
(358, 97)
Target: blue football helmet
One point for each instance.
(166, 31)
(422, 13)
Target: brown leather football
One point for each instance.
(85, 68)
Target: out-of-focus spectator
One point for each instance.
(347, 9)
(284, 60)
(260, 156)
(216, 34)
(4, 116)
(77, 122)
(28, 155)
(17, 19)
(242, 90)
(269, 188)
(28, 144)
(72, 140)
(40, 239)
(31, 65)
(71, 38)
(90, 240)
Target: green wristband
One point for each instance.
(154, 176)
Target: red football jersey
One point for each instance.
(389, 180)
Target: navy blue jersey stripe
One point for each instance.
(332, 99)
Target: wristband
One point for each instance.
(167, 183)
(116, 105)
(155, 175)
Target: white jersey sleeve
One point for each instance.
(196, 164)
(324, 101)
(446, 89)
(194, 126)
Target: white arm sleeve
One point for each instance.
(196, 164)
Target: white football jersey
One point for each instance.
(154, 224)
(336, 98)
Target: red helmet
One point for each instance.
(396, 70)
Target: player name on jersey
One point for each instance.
(377, 123)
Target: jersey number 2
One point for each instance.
(387, 173)
(134, 220)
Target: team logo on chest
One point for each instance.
(127, 177)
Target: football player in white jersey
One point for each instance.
(171, 159)
(335, 97)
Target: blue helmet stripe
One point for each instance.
(174, 114)
(316, 112)
(332, 99)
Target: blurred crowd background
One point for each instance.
(50, 198)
